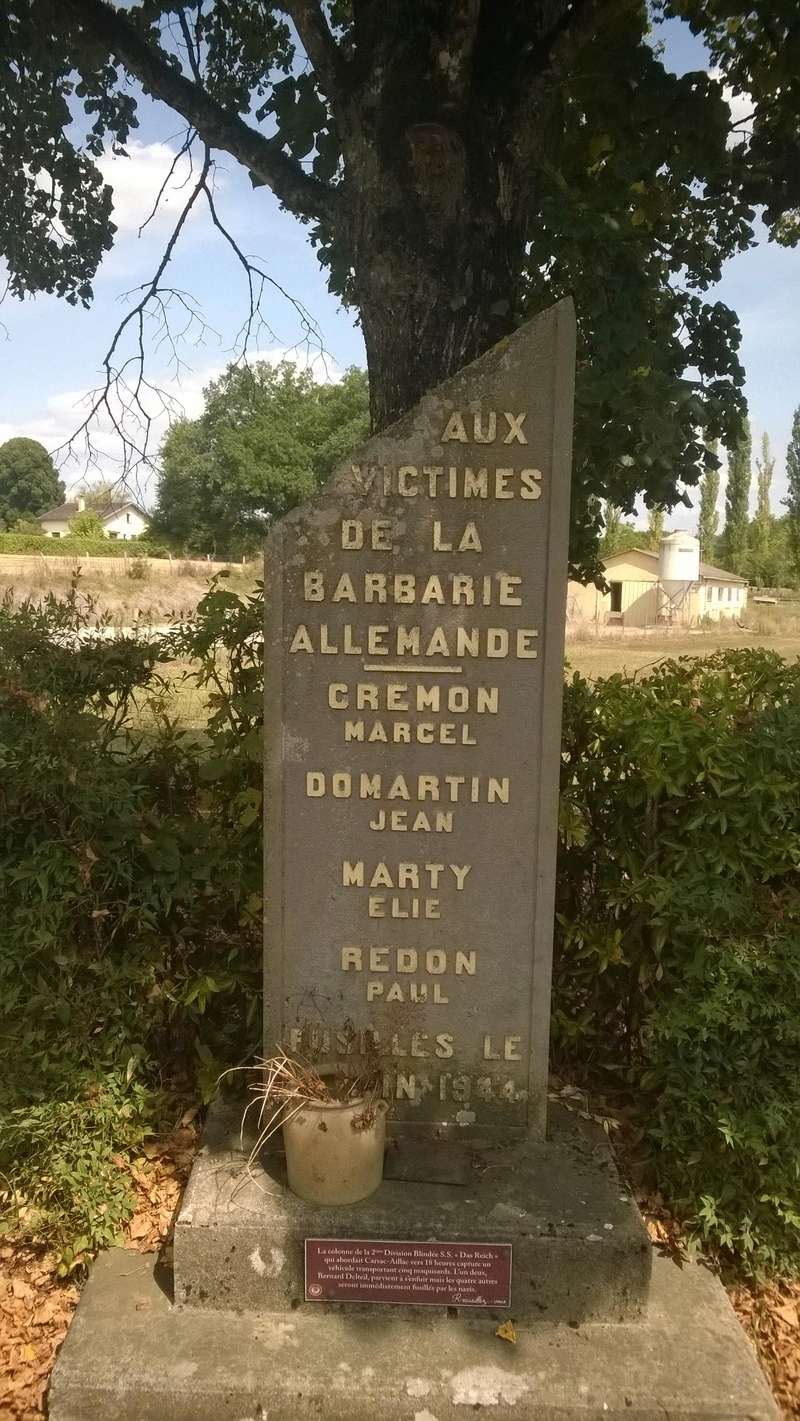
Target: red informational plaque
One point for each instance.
(359, 1270)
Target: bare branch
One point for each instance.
(257, 279)
(192, 47)
(166, 318)
(302, 193)
(125, 387)
(185, 148)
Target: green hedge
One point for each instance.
(71, 547)
(130, 887)
(677, 972)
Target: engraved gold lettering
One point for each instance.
(531, 481)
(515, 431)
(454, 429)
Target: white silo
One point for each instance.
(679, 558)
(678, 575)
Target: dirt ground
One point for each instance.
(36, 1307)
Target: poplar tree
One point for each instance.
(792, 500)
(708, 518)
(762, 523)
(655, 527)
(612, 523)
(737, 500)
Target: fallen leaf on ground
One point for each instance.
(507, 1331)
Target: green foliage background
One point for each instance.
(29, 483)
(677, 970)
(130, 876)
(76, 545)
(130, 881)
(269, 436)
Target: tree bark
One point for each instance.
(436, 250)
(437, 179)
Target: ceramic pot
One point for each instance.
(334, 1150)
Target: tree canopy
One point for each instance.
(28, 481)
(458, 166)
(792, 500)
(737, 501)
(707, 516)
(619, 536)
(98, 494)
(86, 524)
(268, 437)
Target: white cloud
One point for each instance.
(180, 396)
(740, 105)
(137, 180)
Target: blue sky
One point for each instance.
(53, 352)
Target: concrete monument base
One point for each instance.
(580, 1249)
(132, 1355)
(597, 1335)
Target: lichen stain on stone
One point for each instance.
(295, 747)
(487, 1386)
(275, 1335)
(503, 1208)
(418, 1386)
(257, 1263)
(181, 1371)
(277, 1262)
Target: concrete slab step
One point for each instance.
(131, 1355)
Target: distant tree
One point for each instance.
(86, 524)
(792, 500)
(619, 536)
(708, 518)
(268, 437)
(655, 527)
(777, 569)
(99, 495)
(29, 483)
(29, 527)
(761, 527)
(737, 501)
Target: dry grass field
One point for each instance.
(777, 628)
(162, 595)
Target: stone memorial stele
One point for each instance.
(413, 669)
(414, 663)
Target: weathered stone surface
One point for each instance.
(414, 643)
(131, 1356)
(580, 1249)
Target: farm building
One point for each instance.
(647, 589)
(120, 520)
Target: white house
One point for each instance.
(122, 520)
(671, 587)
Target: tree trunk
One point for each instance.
(434, 234)
(436, 284)
(423, 320)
